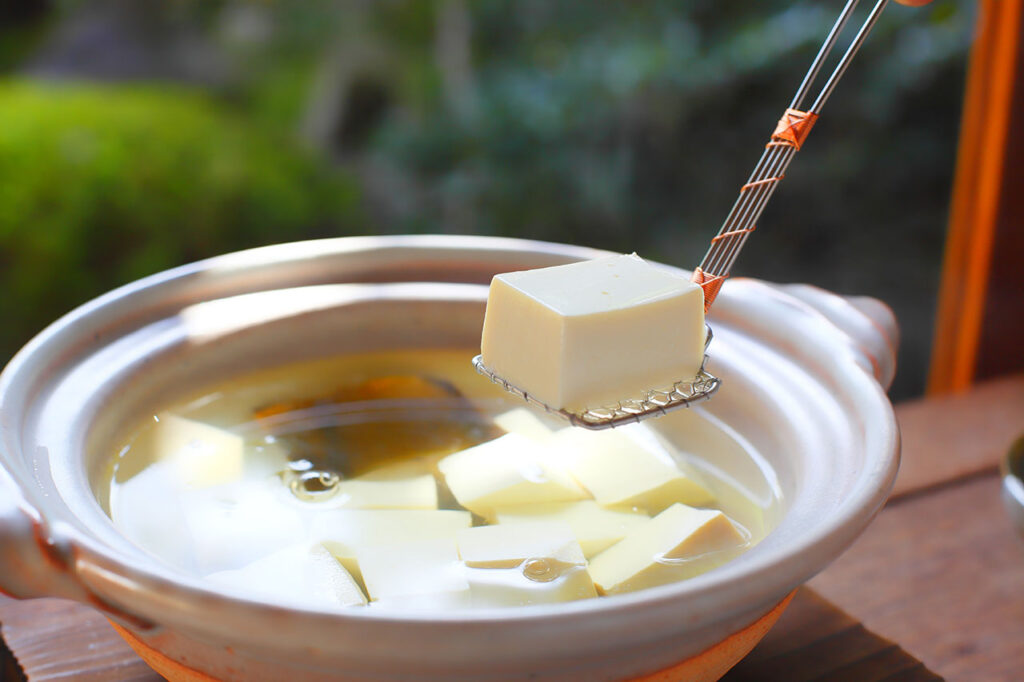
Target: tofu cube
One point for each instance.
(589, 334)
(509, 470)
(202, 455)
(507, 546)
(421, 575)
(523, 421)
(621, 472)
(234, 525)
(679, 543)
(345, 531)
(147, 510)
(301, 575)
(527, 563)
(554, 583)
(419, 492)
(406, 468)
(595, 527)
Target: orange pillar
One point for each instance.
(979, 329)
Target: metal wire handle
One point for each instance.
(789, 136)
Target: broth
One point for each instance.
(319, 483)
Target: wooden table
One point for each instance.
(939, 573)
(940, 570)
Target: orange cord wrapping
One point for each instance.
(710, 284)
(733, 233)
(751, 185)
(793, 128)
(791, 131)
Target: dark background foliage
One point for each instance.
(137, 136)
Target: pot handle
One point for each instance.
(867, 321)
(32, 563)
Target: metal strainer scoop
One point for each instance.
(789, 135)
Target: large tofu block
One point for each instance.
(621, 472)
(345, 531)
(595, 527)
(589, 334)
(301, 575)
(490, 587)
(677, 544)
(509, 470)
(421, 575)
(202, 455)
(507, 546)
(418, 492)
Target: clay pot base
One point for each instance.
(707, 666)
(711, 664)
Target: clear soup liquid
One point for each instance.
(368, 481)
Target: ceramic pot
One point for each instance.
(804, 375)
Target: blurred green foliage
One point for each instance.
(100, 185)
(631, 126)
(627, 126)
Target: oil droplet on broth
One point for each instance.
(313, 485)
(546, 569)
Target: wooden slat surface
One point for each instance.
(957, 436)
(816, 641)
(9, 669)
(54, 639)
(941, 571)
(943, 575)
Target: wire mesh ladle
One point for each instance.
(789, 135)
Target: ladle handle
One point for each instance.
(790, 133)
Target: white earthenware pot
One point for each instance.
(804, 375)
